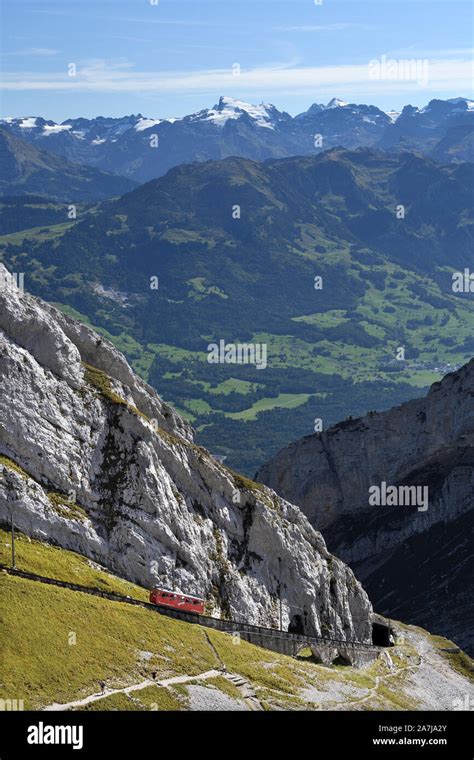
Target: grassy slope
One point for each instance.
(45, 559)
(58, 645)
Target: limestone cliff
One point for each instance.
(92, 460)
(416, 564)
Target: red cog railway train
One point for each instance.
(166, 598)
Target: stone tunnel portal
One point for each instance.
(296, 625)
(382, 635)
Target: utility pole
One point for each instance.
(13, 539)
(279, 593)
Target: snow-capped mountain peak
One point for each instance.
(99, 128)
(469, 104)
(337, 103)
(145, 123)
(23, 122)
(230, 109)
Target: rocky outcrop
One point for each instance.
(408, 557)
(94, 461)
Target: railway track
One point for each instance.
(227, 626)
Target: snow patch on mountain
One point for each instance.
(469, 104)
(28, 123)
(229, 108)
(53, 129)
(336, 103)
(143, 124)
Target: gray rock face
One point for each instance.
(427, 442)
(94, 461)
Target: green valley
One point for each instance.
(382, 323)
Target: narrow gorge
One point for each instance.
(416, 564)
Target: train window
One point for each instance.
(164, 595)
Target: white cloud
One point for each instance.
(413, 52)
(120, 76)
(33, 51)
(85, 14)
(43, 51)
(323, 27)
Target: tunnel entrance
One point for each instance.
(381, 635)
(342, 659)
(296, 625)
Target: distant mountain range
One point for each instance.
(387, 282)
(27, 170)
(143, 148)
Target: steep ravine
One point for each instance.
(416, 563)
(92, 460)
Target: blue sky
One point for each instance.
(179, 56)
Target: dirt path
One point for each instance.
(436, 685)
(244, 686)
(133, 687)
(374, 689)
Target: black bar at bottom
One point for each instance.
(377, 734)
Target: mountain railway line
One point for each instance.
(283, 642)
